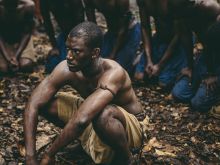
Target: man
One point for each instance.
(67, 14)
(123, 37)
(16, 44)
(164, 56)
(200, 83)
(105, 122)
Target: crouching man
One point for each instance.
(106, 119)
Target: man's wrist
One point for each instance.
(160, 65)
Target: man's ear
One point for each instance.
(96, 52)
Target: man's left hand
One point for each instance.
(211, 83)
(155, 70)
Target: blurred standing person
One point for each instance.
(16, 44)
(200, 82)
(122, 39)
(164, 57)
(67, 14)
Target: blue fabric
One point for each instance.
(127, 53)
(172, 68)
(196, 93)
(52, 61)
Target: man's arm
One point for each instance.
(90, 108)
(146, 35)
(27, 12)
(4, 50)
(45, 11)
(121, 36)
(40, 97)
(22, 45)
(90, 11)
(169, 51)
(186, 40)
(124, 19)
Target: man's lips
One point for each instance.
(71, 65)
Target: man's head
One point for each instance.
(83, 45)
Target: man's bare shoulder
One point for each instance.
(62, 74)
(113, 70)
(115, 78)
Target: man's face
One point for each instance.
(78, 54)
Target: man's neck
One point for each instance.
(94, 70)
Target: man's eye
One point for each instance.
(76, 51)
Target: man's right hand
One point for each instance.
(148, 68)
(31, 160)
(186, 72)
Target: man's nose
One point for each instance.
(69, 55)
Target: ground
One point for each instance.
(175, 134)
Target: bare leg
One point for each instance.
(3, 66)
(110, 127)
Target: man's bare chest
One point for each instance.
(84, 87)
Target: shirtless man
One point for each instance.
(123, 37)
(164, 55)
(16, 45)
(203, 18)
(67, 13)
(109, 105)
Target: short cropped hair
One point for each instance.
(90, 32)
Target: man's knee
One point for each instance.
(4, 68)
(182, 91)
(101, 121)
(26, 64)
(199, 105)
(195, 104)
(201, 101)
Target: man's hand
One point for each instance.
(211, 83)
(155, 70)
(53, 52)
(148, 68)
(13, 64)
(31, 160)
(47, 160)
(186, 72)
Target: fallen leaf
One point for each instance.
(164, 153)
